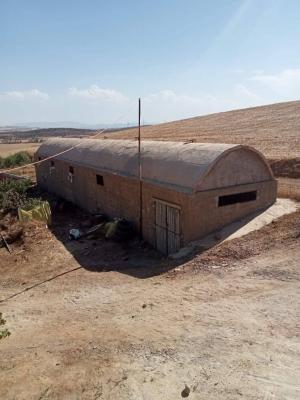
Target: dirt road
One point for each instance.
(226, 330)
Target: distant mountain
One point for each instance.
(8, 128)
(12, 134)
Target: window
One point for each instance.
(100, 180)
(71, 174)
(237, 198)
(40, 158)
(52, 167)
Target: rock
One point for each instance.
(186, 391)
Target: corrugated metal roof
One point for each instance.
(172, 164)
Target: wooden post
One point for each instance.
(140, 174)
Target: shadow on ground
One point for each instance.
(135, 257)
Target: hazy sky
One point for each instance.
(89, 61)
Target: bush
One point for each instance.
(15, 160)
(31, 202)
(13, 194)
(17, 185)
(10, 200)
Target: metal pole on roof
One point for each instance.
(140, 173)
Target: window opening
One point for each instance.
(99, 179)
(237, 198)
(52, 167)
(71, 174)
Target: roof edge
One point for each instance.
(225, 152)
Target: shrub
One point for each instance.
(10, 200)
(13, 194)
(17, 185)
(31, 202)
(15, 160)
(4, 333)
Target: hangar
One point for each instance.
(188, 189)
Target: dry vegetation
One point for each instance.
(8, 149)
(28, 135)
(272, 129)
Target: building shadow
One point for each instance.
(135, 257)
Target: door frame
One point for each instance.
(168, 204)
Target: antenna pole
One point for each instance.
(140, 174)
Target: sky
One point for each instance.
(89, 61)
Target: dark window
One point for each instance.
(100, 180)
(71, 170)
(237, 198)
(39, 158)
(52, 163)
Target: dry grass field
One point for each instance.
(12, 148)
(273, 129)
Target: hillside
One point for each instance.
(11, 135)
(273, 129)
(18, 134)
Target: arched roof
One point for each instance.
(176, 165)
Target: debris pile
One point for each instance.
(118, 229)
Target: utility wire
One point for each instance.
(38, 284)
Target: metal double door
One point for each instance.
(167, 227)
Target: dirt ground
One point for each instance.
(100, 320)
